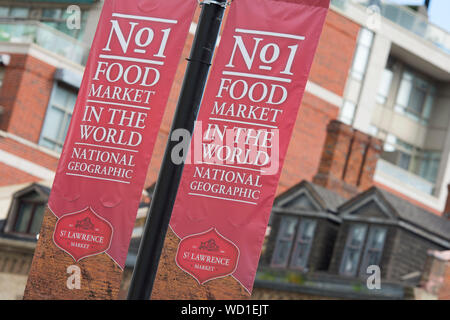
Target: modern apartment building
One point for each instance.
(385, 70)
(398, 90)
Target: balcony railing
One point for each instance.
(46, 37)
(405, 18)
(404, 176)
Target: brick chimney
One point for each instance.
(349, 159)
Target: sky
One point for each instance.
(439, 11)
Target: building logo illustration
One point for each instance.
(207, 256)
(82, 234)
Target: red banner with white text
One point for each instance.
(117, 115)
(241, 136)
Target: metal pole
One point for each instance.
(169, 177)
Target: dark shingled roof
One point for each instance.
(332, 199)
(327, 198)
(417, 216)
(46, 190)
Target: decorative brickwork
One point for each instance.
(348, 160)
(100, 275)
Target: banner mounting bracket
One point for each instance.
(222, 4)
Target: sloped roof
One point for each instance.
(328, 199)
(402, 210)
(417, 216)
(332, 199)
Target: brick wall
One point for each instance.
(29, 153)
(446, 212)
(348, 161)
(12, 176)
(25, 94)
(305, 148)
(335, 52)
(444, 293)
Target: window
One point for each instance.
(58, 117)
(284, 241)
(30, 212)
(415, 97)
(51, 16)
(4, 11)
(292, 253)
(374, 248)
(424, 163)
(385, 83)
(348, 112)
(429, 165)
(357, 72)
(303, 243)
(353, 249)
(18, 12)
(362, 54)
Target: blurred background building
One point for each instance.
(381, 69)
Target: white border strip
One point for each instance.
(130, 16)
(118, 104)
(96, 178)
(227, 199)
(255, 76)
(106, 147)
(268, 33)
(113, 57)
(244, 122)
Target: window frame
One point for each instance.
(298, 239)
(367, 250)
(57, 142)
(35, 204)
(429, 93)
(364, 250)
(280, 237)
(31, 194)
(424, 163)
(347, 245)
(35, 13)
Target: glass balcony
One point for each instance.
(405, 18)
(46, 37)
(405, 177)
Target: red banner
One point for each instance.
(125, 88)
(241, 137)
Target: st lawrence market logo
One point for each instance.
(207, 256)
(82, 234)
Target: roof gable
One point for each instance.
(302, 200)
(383, 206)
(368, 205)
(309, 195)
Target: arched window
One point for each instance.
(29, 214)
(27, 211)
